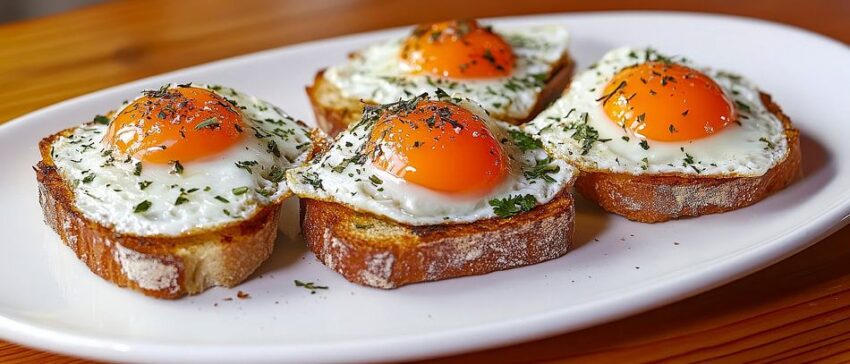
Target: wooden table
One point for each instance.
(795, 311)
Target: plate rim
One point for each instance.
(445, 342)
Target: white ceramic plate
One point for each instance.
(49, 300)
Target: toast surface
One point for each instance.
(157, 266)
(658, 198)
(334, 111)
(377, 252)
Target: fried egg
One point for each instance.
(433, 159)
(637, 111)
(502, 69)
(181, 159)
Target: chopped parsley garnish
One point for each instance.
(430, 121)
(275, 175)
(271, 147)
(608, 96)
(142, 206)
(672, 129)
(689, 159)
(744, 107)
(442, 95)
(163, 90)
(768, 144)
(309, 285)
(584, 134)
(689, 162)
(490, 58)
(644, 144)
(728, 75)
(210, 123)
(524, 141)
(263, 192)
(542, 170)
(645, 164)
(144, 184)
(240, 190)
(222, 199)
(513, 205)
(102, 120)
(400, 81)
(375, 180)
(356, 159)
(88, 178)
(246, 165)
(178, 168)
(181, 199)
(312, 178)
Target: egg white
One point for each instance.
(749, 149)
(365, 187)
(107, 187)
(378, 75)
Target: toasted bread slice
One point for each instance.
(157, 266)
(334, 111)
(378, 252)
(657, 198)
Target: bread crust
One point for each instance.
(157, 266)
(658, 198)
(334, 112)
(377, 252)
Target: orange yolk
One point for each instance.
(667, 102)
(176, 124)
(458, 49)
(440, 146)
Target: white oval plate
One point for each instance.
(49, 300)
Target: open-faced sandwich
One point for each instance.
(512, 72)
(429, 188)
(176, 191)
(658, 138)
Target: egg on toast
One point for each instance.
(658, 137)
(432, 187)
(512, 72)
(176, 191)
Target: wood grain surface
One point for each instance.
(795, 311)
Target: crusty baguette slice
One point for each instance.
(377, 252)
(157, 266)
(648, 198)
(334, 111)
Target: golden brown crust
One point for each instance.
(648, 198)
(335, 112)
(377, 252)
(161, 267)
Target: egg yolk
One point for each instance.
(176, 124)
(667, 102)
(439, 146)
(458, 49)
